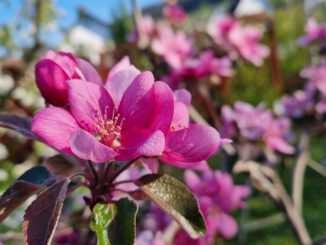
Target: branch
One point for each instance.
(299, 170)
(266, 180)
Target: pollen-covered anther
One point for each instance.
(108, 128)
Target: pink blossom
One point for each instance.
(274, 136)
(297, 104)
(146, 26)
(174, 47)
(150, 238)
(188, 145)
(317, 77)
(239, 40)
(313, 33)
(175, 14)
(129, 117)
(217, 196)
(54, 70)
(256, 124)
(197, 68)
(121, 123)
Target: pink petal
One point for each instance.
(63, 59)
(226, 225)
(182, 95)
(193, 144)
(54, 126)
(180, 116)
(192, 180)
(51, 80)
(135, 93)
(123, 64)
(150, 164)
(86, 100)
(89, 72)
(87, 147)
(118, 83)
(141, 143)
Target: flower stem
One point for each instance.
(123, 168)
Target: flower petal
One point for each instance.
(88, 71)
(193, 144)
(182, 95)
(150, 164)
(51, 80)
(142, 143)
(86, 100)
(54, 126)
(123, 64)
(87, 147)
(118, 83)
(180, 116)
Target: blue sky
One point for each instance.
(102, 9)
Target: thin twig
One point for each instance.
(299, 170)
(319, 168)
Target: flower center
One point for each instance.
(108, 129)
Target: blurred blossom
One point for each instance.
(313, 33)
(256, 124)
(147, 27)
(217, 196)
(174, 47)
(6, 83)
(149, 238)
(197, 68)
(297, 104)
(175, 14)
(316, 75)
(239, 40)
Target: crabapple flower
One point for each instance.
(175, 14)
(188, 145)
(317, 77)
(197, 68)
(147, 27)
(256, 124)
(174, 47)
(239, 40)
(130, 116)
(54, 70)
(217, 196)
(123, 123)
(274, 136)
(298, 104)
(313, 33)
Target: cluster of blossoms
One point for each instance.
(127, 117)
(217, 196)
(238, 40)
(314, 33)
(185, 62)
(310, 102)
(247, 124)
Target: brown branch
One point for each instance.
(266, 180)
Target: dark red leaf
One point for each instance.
(42, 216)
(32, 181)
(18, 123)
(20, 191)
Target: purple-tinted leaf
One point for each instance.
(58, 165)
(174, 198)
(19, 123)
(42, 216)
(20, 191)
(32, 181)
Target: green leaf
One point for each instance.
(174, 198)
(29, 183)
(42, 216)
(122, 229)
(101, 218)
